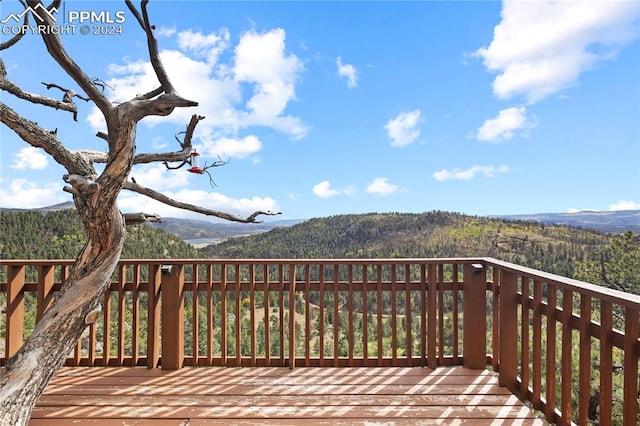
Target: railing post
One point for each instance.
(45, 289)
(172, 317)
(508, 328)
(474, 350)
(15, 309)
(153, 316)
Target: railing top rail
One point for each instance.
(248, 261)
(582, 287)
(596, 291)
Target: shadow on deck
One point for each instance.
(264, 395)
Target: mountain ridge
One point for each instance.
(200, 229)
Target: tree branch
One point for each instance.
(14, 89)
(59, 54)
(191, 207)
(38, 137)
(139, 218)
(152, 46)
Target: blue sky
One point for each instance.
(325, 108)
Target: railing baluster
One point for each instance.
(135, 315)
(432, 362)
(292, 316)
(365, 315)
(584, 380)
(267, 315)
(407, 311)
(210, 317)
(307, 316)
(440, 290)
(223, 313)
(322, 317)
(122, 280)
(508, 330)
(537, 344)
(336, 315)
(350, 339)
(252, 312)
(606, 362)
(394, 318)
(550, 373)
(195, 347)
(631, 355)
(106, 328)
(524, 339)
(454, 315)
(567, 347)
(379, 310)
(238, 316)
(281, 313)
(423, 314)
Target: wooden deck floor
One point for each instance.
(338, 396)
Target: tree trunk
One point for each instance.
(26, 374)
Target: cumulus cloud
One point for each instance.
(505, 125)
(157, 176)
(541, 47)
(324, 190)
(243, 207)
(404, 129)
(227, 147)
(261, 59)
(625, 205)
(254, 87)
(25, 194)
(381, 186)
(347, 71)
(470, 173)
(30, 158)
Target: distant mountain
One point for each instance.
(56, 207)
(604, 221)
(190, 229)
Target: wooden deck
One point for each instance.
(338, 396)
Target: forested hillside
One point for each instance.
(435, 234)
(59, 235)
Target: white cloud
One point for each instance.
(347, 71)
(230, 147)
(243, 207)
(381, 186)
(470, 173)
(208, 46)
(404, 129)
(261, 59)
(625, 205)
(505, 125)
(324, 190)
(541, 47)
(259, 66)
(158, 177)
(25, 194)
(30, 158)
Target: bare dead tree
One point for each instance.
(26, 373)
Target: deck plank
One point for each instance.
(210, 396)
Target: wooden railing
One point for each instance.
(568, 347)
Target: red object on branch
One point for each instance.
(195, 164)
